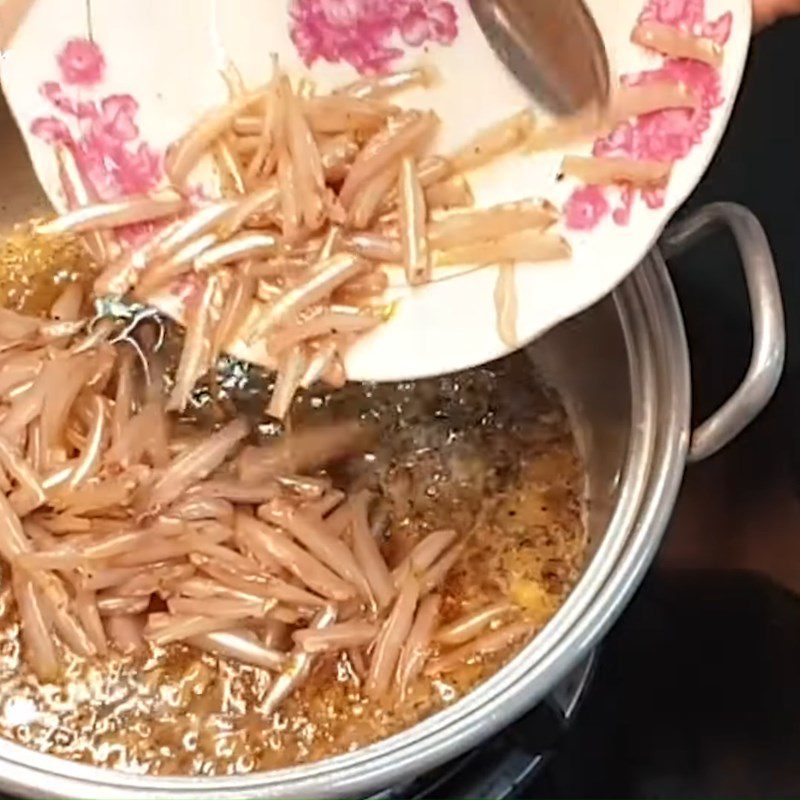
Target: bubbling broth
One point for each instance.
(486, 454)
(474, 489)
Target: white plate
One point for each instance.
(120, 80)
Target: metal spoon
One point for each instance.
(552, 47)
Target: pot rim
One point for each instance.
(659, 367)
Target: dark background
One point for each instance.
(697, 691)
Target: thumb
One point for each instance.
(766, 12)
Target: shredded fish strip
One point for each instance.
(112, 215)
(320, 193)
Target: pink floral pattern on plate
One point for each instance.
(101, 133)
(666, 135)
(367, 34)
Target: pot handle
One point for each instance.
(766, 311)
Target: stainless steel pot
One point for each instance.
(622, 369)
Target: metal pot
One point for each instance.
(622, 369)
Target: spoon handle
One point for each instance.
(553, 47)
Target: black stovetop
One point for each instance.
(696, 692)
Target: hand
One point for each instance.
(765, 12)
(12, 12)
